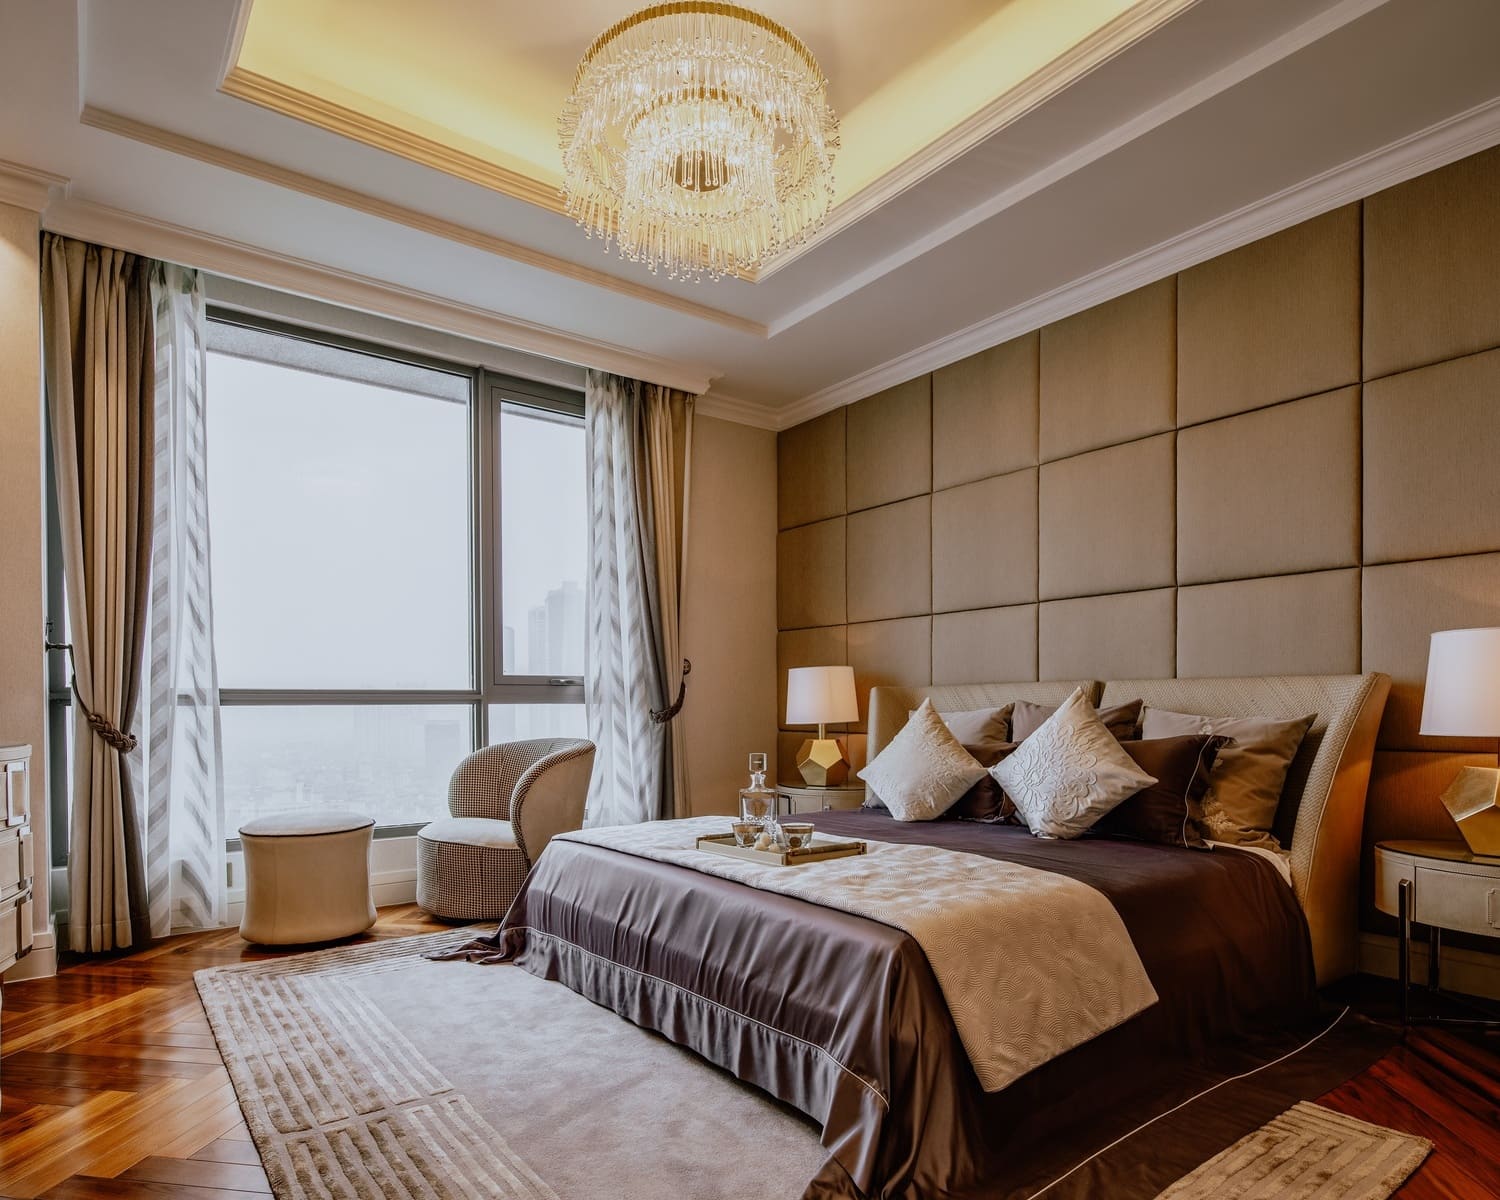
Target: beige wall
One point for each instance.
(729, 608)
(23, 704)
(1283, 460)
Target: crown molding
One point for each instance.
(321, 189)
(741, 412)
(1426, 150)
(1036, 89)
(28, 188)
(357, 126)
(237, 260)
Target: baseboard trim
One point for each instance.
(41, 962)
(1472, 972)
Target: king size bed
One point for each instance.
(933, 1054)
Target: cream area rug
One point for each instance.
(1309, 1151)
(369, 1072)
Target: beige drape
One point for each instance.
(669, 445)
(99, 366)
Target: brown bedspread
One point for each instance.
(841, 1016)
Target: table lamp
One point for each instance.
(821, 696)
(1463, 700)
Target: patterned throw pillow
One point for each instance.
(923, 770)
(1070, 772)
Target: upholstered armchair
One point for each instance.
(507, 802)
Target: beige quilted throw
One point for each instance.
(1031, 963)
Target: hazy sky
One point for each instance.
(340, 526)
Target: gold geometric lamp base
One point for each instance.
(1474, 801)
(823, 762)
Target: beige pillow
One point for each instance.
(923, 770)
(1245, 785)
(1070, 772)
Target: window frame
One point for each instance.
(488, 684)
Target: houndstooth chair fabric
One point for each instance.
(507, 802)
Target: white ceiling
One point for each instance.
(1201, 126)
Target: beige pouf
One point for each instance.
(307, 877)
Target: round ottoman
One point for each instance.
(307, 877)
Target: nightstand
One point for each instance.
(804, 799)
(1442, 885)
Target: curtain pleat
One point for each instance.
(97, 325)
(638, 439)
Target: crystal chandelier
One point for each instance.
(698, 137)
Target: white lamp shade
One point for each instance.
(820, 696)
(1463, 684)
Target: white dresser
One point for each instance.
(797, 799)
(1443, 885)
(15, 856)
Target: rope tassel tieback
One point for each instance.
(103, 727)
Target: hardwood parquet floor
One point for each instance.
(111, 1085)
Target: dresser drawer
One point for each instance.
(17, 793)
(15, 861)
(15, 929)
(1458, 900)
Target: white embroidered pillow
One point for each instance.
(1070, 772)
(923, 770)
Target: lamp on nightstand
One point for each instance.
(1463, 700)
(821, 696)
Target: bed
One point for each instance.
(843, 1017)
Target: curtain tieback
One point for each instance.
(106, 731)
(662, 715)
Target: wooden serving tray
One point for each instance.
(723, 843)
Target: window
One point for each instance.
(398, 552)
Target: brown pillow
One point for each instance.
(1122, 720)
(1244, 788)
(1169, 813)
(986, 800)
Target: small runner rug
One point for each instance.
(369, 1071)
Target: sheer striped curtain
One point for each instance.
(639, 439)
(184, 825)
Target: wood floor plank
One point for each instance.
(230, 1150)
(186, 1172)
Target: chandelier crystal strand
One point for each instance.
(698, 138)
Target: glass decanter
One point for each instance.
(758, 802)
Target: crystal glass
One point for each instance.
(758, 802)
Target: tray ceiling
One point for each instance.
(474, 87)
(1176, 130)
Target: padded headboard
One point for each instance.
(1323, 807)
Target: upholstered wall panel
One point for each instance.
(1106, 520)
(1432, 459)
(984, 645)
(824, 646)
(895, 652)
(1403, 604)
(810, 575)
(1108, 373)
(1281, 460)
(810, 476)
(1271, 321)
(1270, 492)
(984, 414)
(1124, 636)
(984, 543)
(1283, 625)
(889, 439)
(890, 561)
(1432, 289)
